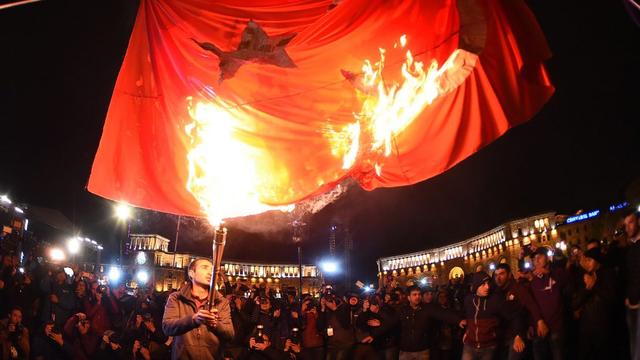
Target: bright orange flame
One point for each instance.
(387, 110)
(227, 175)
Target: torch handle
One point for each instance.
(219, 241)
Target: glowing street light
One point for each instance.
(114, 274)
(329, 266)
(73, 245)
(56, 254)
(5, 199)
(142, 276)
(123, 211)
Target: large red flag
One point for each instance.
(219, 104)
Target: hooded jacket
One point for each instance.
(485, 315)
(193, 341)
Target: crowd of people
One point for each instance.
(579, 305)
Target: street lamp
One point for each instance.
(73, 245)
(297, 239)
(114, 274)
(123, 212)
(329, 266)
(142, 276)
(56, 255)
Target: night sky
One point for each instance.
(59, 64)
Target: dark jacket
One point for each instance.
(46, 348)
(548, 292)
(19, 339)
(192, 341)
(416, 325)
(343, 335)
(633, 272)
(485, 315)
(383, 335)
(83, 347)
(526, 307)
(596, 306)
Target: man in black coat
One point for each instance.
(416, 325)
(594, 303)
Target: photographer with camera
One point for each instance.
(292, 344)
(261, 348)
(99, 307)
(14, 336)
(49, 344)
(241, 320)
(268, 313)
(84, 340)
(142, 327)
(312, 338)
(336, 325)
(197, 332)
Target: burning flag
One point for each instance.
(451, 78)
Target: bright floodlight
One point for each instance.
(550, 253)
(73, 245)
(142, 276)
(56, 254)
(123, 211)
(492, 266)
(423, 281)
(114, 274)
(141, 258)
(329, 267)
(5, 199)
(18, 210)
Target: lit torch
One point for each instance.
(219, 239)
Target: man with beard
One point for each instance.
(198, 333)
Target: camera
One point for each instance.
(619, 232)
(83, 322)
(329, 294)
(295, 336)
(259, 334)
(101, 289)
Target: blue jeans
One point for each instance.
(550, 347)
(471, 353)
(633, 323)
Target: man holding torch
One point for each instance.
(199, 330)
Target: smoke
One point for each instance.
(275, 221)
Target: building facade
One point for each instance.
(168, 270)
(502, 244)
